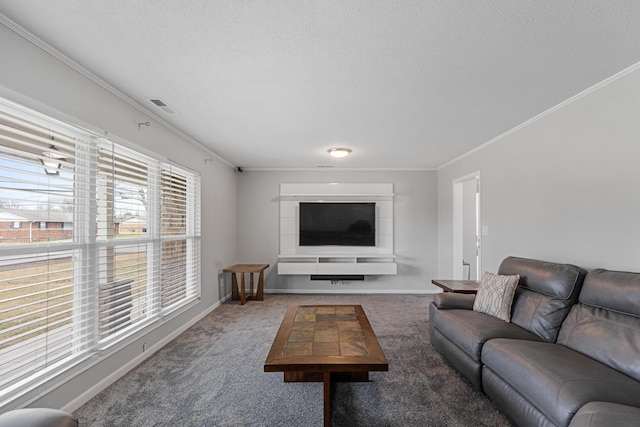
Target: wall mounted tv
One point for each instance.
(337, 224)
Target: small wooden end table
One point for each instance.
(457, 286)
(251, 269)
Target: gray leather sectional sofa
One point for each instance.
(570, 354)
(37, 417)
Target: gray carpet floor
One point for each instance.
(212, 375)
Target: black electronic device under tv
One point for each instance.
(337, 224)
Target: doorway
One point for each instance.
(466, 227)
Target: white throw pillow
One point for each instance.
(495, 295)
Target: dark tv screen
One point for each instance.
(337, 224)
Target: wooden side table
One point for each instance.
(251, 269)
(457, 286)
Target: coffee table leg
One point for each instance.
(326, 379)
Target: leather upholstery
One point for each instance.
(548, 278)
(554, 379)
(459, 333)
(37, 417)
(605, 414)
(512, 403)
(449, 300)
(470, 330)
(609, 337)
(590, 376)
(605, 325)
(546, 291)
(614, 290)
(463, 363)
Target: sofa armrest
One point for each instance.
(37, 417)
(449, 300)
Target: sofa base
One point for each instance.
(511, 402)
(470, 369)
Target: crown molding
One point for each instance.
(545, 113)
(333, 169)
(41, 44)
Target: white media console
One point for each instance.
(336, 262)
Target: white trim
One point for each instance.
(100, 82)
(332, 169)
(456, 221)
(353, 291)
(545, 113)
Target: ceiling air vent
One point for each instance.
(160, 103)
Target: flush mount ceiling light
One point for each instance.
(339, 152)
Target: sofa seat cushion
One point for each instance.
(605, 414)
(469, 330)
(554, 379)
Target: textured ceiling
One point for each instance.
(406, 84)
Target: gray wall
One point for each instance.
(562, 188)
(415, 231)
(33, 78)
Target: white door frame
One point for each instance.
(457, 221)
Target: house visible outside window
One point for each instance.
(116, 247)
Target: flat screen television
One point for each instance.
(337, 224)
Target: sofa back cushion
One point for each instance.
(546, 291)
(605, 325)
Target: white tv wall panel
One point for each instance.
(336, 189)
(288, 226)
(295, 259)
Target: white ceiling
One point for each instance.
(407, 84)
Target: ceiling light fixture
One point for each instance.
(339, 152)
(52, 160)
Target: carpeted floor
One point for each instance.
(212, 375)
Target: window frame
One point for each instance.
(85, 249)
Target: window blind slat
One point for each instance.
(92, 246)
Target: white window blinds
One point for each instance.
(41, 293)
(108, 241)
(180, 236)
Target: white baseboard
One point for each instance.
(116, 375)
(353, 291)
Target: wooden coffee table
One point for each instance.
(324, 343)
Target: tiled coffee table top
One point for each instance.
(326, 331)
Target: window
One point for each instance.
(110, 243)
